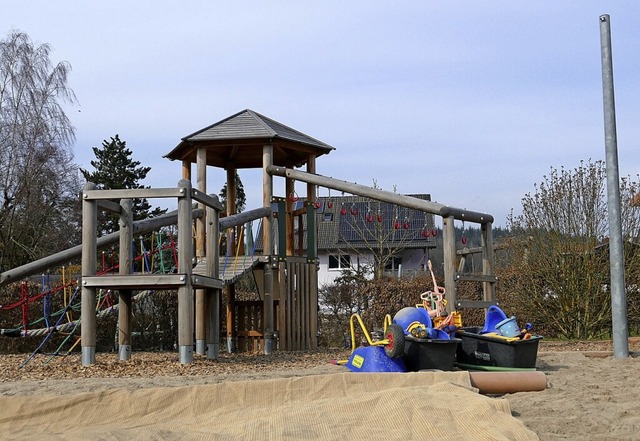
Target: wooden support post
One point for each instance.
(312, 248)
(267, 196)
(288, 216)
(230, 292)
(313, 302)
(186, 170)
(201, 171)
(230, 251)
(185, 256)
(301, 251)
(212, 300)
(449, 251)
(88, 295)
(284, 322)
(125, 260)
(282, 228)
(312, 253)
(488, 288)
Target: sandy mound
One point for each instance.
(590, 396)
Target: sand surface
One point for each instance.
(590, 395)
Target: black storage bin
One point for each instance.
(483, 350)
(426, 353)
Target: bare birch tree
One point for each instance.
(560, 261)
(38, 180)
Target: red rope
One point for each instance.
(173, 249)
(24, 295)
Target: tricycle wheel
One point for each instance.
(395, 338)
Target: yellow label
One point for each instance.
(358, 361)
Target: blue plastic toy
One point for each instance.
(409, 315)
(494, 316)
(373, 359)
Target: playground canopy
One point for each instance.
(238, 141)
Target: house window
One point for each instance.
(337, 262)
(393, 264)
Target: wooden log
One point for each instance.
(381, 195)
(499, 383)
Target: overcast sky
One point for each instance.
(469, 101)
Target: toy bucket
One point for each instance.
(508, 327)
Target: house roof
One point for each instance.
(354, 222)
(238, 141)
(359, 222)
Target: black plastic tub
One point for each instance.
(426, 353)
(484, 350)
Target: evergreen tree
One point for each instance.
(115, 169)
(241, 198)
(241, 201)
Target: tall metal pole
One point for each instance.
(616, 257)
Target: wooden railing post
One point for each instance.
(88, 294)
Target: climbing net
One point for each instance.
(52, 306)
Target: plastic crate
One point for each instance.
(425, 353)
(483, 350)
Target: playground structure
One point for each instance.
(287, 283)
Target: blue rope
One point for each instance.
(52, 330)
(145, 257)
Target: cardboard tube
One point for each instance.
(508, 382)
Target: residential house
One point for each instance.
(356, 232)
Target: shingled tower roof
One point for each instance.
(238, 140)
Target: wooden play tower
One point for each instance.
(286, 315)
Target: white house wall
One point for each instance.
(412, 260)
